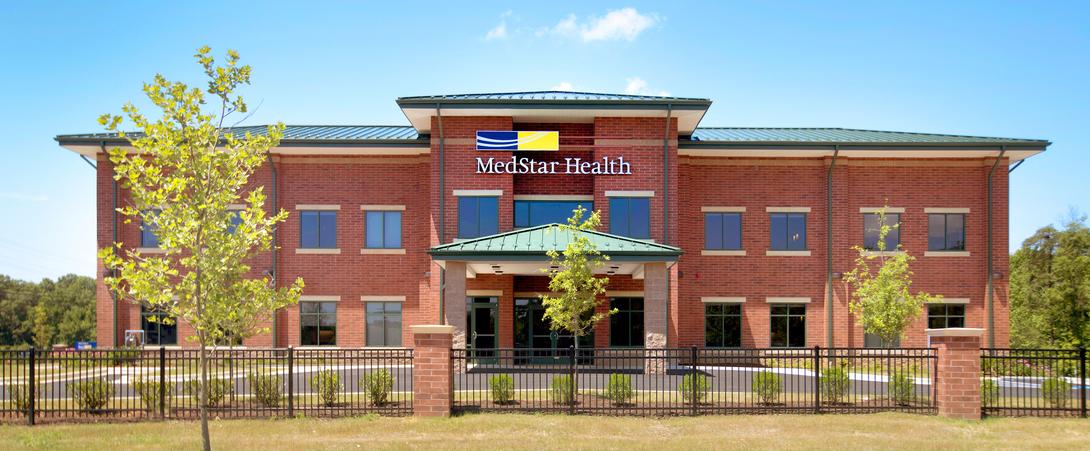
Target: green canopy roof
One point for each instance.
(532, 244)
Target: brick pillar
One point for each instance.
(454, 301)
(957, 379)
(431, 370)
(656, 280)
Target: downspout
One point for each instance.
(666, 207)
(829, 250)
(989, 296)
(275, 251)
(113, 296)
(442, 214)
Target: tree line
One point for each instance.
(48, 312)
(1050, 287)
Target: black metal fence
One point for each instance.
(692, 381)
(135, 384)
(1034, 382)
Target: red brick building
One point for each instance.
(727, 237)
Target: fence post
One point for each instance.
(571, 374)
(32, 386)
(162, 381)
(692, 379)
(1082, 381)
(817, 379)
(291, 382)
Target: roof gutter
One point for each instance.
(990, 289)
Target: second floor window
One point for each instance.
(788, 231)
(630, 216)
(318, 229)
(148, 238)
(529, 213)
(723, 231)
(872, 229)
(383, 230)
(941, 316)
(946, 232)
(478, 216)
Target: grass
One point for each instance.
(898, 431)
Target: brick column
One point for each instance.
(431, 370)
(454, 301)
(656, 280)
(957, 379)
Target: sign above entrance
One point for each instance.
(517, 140)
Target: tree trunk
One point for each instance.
(202, 398)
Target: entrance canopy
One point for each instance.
(523, 252)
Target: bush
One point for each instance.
(691, 382)
(148, 390)
(328, 385)
(563, 389)
(503, 388)
(1056, 391)
(218, 389)
(378, 384)
(835, 384)
(91, 395)
(126, 355)
(267, 389)
(619, 389)
(20, 395)
(902, 388)
(767, 386)
(989, 392)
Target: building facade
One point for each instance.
(718, 237)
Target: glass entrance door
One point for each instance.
(532, 332)
(482, 324)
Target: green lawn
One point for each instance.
(902, 431)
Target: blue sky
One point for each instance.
(1010, 69)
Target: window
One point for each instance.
(630, 216)
(383, 230)
(946, 232)
(723, 325)
(383, 324)
(723, 231)
(156, 332)
(147, 231)
(478, 216)
(318, 229)
(318, 323)
(529, 213)
(788, 231)
(872, 228)
(789, 326)
(941, 316)
(626, 326)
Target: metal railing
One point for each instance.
(136, 384)
(692, 381)
(1033, 382)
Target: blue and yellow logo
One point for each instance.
(512, 140)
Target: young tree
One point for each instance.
(1050, 287)
(573, 308)
(882, 301)
(183, 174)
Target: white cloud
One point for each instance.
(499, 31)
(622, 24)
(563, 86)
(24, 197)
(637, 86)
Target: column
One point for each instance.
(454, 302)
(431, 370)
(656, 282)
(957, 378)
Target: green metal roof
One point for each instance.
(534, 242)
(331, 134)
(841, 136)
(550, 97)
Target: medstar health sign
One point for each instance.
(539, 141)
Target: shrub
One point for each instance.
(1056, 391)
(148, 391)
(989, 392)
(92, 394)
(835, 384)
(327, 383)
(218, 389)
(767, 386)
(694, 384)
(20, 395)
(267, 389)
(563, 389)
(378, 384)
(619, 389)
(902, 388)
(126, 355)
(503, 388)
